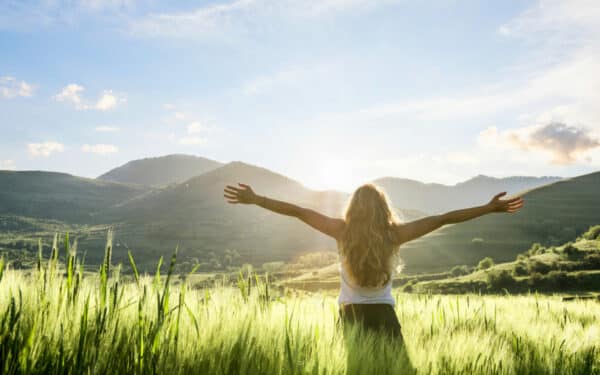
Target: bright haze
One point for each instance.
(329, 92)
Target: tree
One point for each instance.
(459, 270)
(500, 279)
(520, 269)
(485, 263)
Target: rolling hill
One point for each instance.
(160, 171)
(195, 216)
(438, 198)
(59, 196)
(553, 214)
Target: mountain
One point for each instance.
(195, 216)
(59, 196)
(160, 171)
(552, 214)
(438, 198)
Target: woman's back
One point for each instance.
(351, 293)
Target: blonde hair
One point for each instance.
(368, 245)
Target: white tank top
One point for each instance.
(350, 293)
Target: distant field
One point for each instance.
(65, 321)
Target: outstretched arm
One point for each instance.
(415, 229)
(245, 195)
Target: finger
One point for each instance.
(243, 185)
(230, 196)
(233, 201)
(233, 188)
(514, 209)
(514, 199)
(229, 191)
(517, 203)
(497, 196)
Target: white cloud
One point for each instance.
(195, 127)
(179, 116)
(107, 101)
(107, 129)
(98, 5)
(240, 16)
(10, 88)
(100, 149)
(556, 17)
(8, 165)
(565, 144)
(72, 94)
(44, 149)
(192, 140)
(289, 77)
(35, 14)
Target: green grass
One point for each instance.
(56, 319)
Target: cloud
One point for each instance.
(35, 14)
(239, 16)
(100, 149)
(192, 140)
(179, 116)
(98, 5)
(10, 88)
(559, 18)
(566, 144)
(72, 94)
(107, 129)
(289, 77)
(107, 101)
(44, 149)
(196, 127)
(7, 165)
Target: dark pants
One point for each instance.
(376, 318)
(381, 320)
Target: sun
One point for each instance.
(332, 174)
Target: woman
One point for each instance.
(368, 239)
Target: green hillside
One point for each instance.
(552, 215)
(571, 267)
(195, 216)
(160, 171)
(59, 196)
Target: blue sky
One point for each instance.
(330, 92)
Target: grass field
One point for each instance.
(56, 319)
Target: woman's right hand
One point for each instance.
(243, 194)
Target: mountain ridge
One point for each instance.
(161, 170)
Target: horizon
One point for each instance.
(283, 174)
(329, 93)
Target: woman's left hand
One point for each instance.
(505, 205)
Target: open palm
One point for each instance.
(506, 205)
(242, 194)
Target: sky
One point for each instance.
(332, 93)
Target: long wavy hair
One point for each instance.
(368, 245)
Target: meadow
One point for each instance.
(57, 318)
